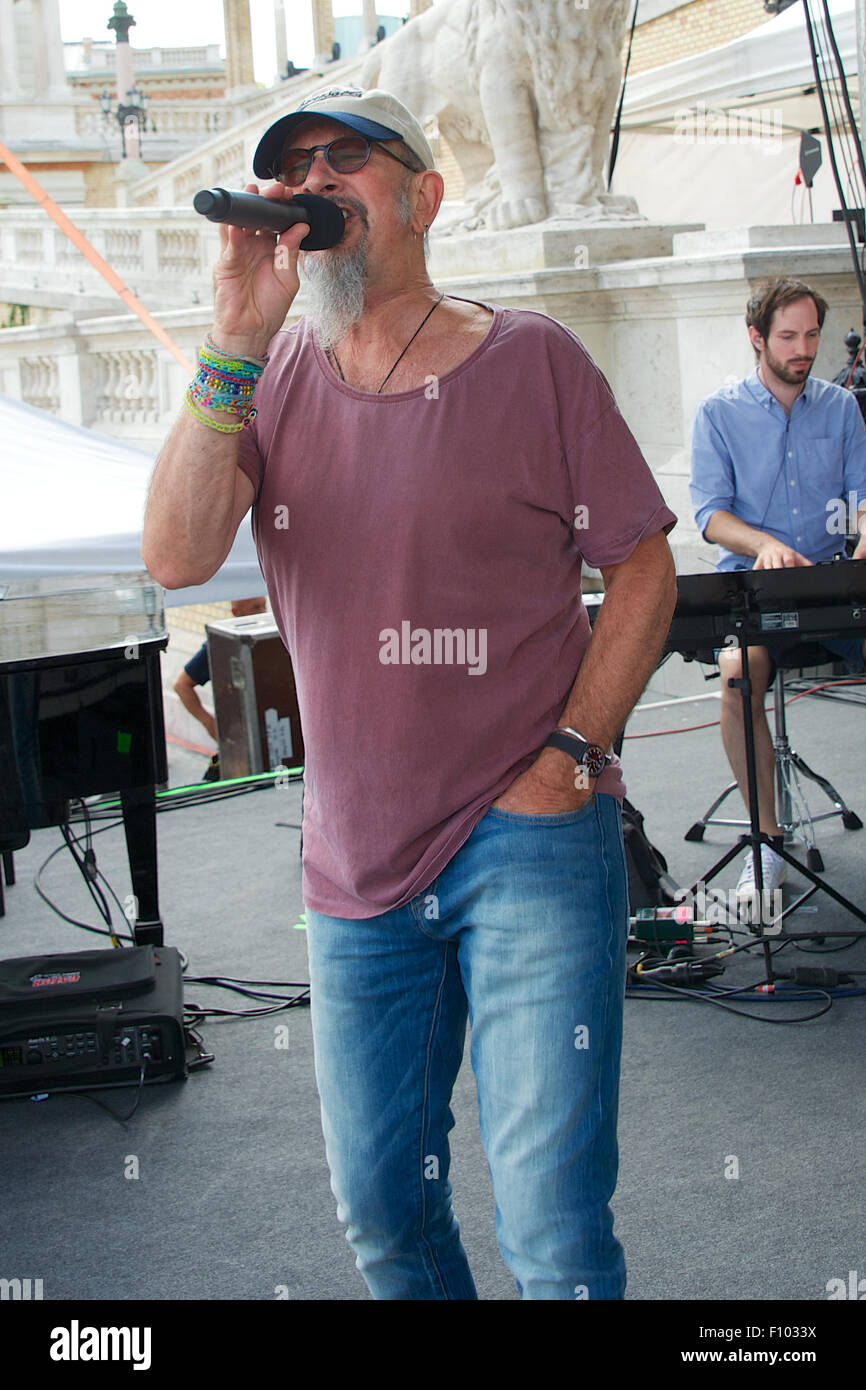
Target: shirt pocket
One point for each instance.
(821, 471)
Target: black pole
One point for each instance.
(614, 144)
(830, 150)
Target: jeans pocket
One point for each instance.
(543, 818)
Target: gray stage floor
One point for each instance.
(742, 1155)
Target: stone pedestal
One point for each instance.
(555, 243)
(126, 173)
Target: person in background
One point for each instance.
(769, 457)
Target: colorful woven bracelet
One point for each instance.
(190, 405)
(228, 367)
(235, 398)
(257, 363)
(229, 380)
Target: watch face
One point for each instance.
(594, 760)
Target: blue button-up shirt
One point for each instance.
(779, 473)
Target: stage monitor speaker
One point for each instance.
(256, 704)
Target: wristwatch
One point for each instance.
(588, 755)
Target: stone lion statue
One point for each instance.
(524, 93)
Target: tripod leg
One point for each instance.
(826, 787)
(696, 831)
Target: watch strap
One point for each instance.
(585, 754)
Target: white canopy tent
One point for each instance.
(685, 166)
(72, 502)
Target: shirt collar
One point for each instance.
(768, 400)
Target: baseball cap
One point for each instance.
(376, 114)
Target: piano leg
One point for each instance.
(139, 823)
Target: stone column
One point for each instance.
(48, 44)
(121, 22)
(240, 74)
(10, 85)
(370, 23)
(280, 36)
(323, 31)
(417, 7)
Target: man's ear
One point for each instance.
(431, 188)
(755, 338)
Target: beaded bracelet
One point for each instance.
(226, 382)
(233, 397)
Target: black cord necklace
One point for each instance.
(405, 350)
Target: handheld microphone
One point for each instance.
(325, 219)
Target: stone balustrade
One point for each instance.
(665, 328)
(164, 255)
(108, 373)
(184, 119)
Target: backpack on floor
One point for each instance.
(649, 883)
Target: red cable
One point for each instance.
(690, 728)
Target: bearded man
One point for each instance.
(770, 457)
(445, 465)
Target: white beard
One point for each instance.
(337, 282)
(336, 288)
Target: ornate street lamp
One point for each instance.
(134, 110)
(132, 104)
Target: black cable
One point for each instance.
(707, 998)
(841, 138)
(843, 83)
(73, 921)
(614, 144)
(237, 987)
(831, 83)
(827, 950)
(194, 1014)
(230, 982)
(87, 866)
(88, 1095)
(832, 154)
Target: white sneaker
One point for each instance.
(774, 871)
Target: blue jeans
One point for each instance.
(524, 932)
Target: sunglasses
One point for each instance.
(345, 155)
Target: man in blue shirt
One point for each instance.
(774, 458)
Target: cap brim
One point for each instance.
(272, 142)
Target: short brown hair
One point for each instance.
(775, 294)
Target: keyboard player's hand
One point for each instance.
(775, 555)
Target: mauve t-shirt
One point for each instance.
(422, 554)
